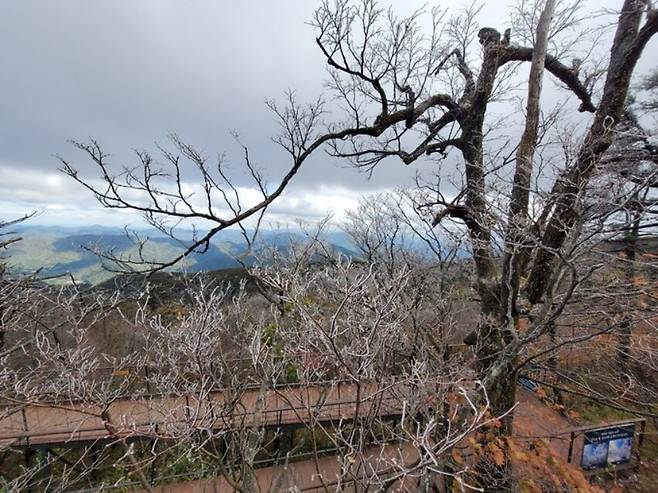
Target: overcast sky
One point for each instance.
(130, 72)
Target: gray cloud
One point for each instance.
(130, 72)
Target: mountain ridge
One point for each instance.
(58, 253)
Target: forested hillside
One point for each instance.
(57, 253)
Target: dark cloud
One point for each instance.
(130, 72)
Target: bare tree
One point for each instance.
(219, 379)
(409, 93)
(649, 85)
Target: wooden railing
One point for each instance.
(55, 423)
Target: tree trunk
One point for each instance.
(500, 384)
(630, 251)
(629, 42)
(498, 366)
(517, 235)
(553, 363)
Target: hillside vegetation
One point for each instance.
(59, 253)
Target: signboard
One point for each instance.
(607, 446)
(528, 384)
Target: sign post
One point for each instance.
(609, 446)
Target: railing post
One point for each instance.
(572, 438)
(32, 484)
(284, 442)
(147, 376)
(25, 427)
(640, 441)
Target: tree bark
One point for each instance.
(518, 220)
(628, 44)
(501, 315)
(630, 252)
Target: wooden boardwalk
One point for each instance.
(320, 474)
(42, 424)
(532, 419)
(51, 424)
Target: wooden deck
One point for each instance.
(58, 423)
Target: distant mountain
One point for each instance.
(57, 252)
(165, 287)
